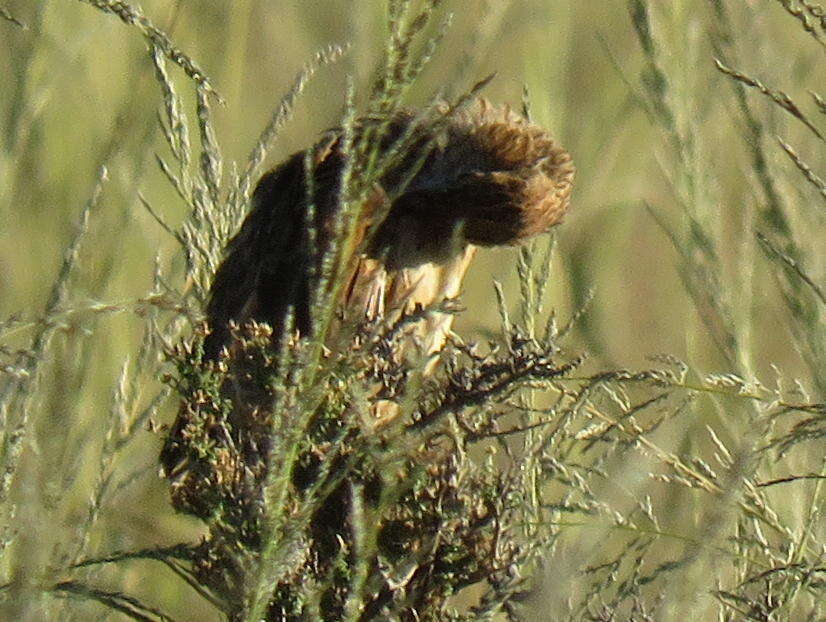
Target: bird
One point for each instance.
(486, 176)
(474, 177)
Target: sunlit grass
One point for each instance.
(688, 486)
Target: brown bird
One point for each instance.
(489, 178)
(480, 177)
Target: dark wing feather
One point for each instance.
(270, 266)
(266, 262)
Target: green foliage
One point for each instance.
(522, 479)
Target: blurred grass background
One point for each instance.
(78, 93)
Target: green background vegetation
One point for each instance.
(679, 169)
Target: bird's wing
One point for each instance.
(261, 271)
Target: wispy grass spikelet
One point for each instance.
(778, 97)
(17, 396)
(809, 15)
(804, 168)
(133, 15)
(279, 116)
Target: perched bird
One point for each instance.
(479, 177)
(485, 177)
